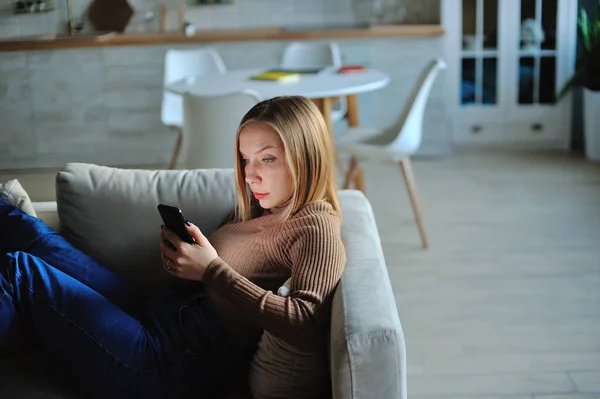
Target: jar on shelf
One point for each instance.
(32, 6)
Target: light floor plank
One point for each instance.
(586, 381)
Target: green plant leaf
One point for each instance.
(588, 62)
(573, 81)
(584, 30)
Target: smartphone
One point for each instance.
(174, 220)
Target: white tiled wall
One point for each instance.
(243, 13)
(102, 105)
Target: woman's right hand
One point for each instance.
(184, 260)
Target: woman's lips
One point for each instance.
(260, 195)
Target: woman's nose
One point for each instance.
(252, 175)
(250, 179)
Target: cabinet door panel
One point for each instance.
(507, 59)
(489, 81)
(547, 80)
(468, 88)
(479, 64)
(536, 76)
(527, 80)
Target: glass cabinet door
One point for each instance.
(537, 52)
(479, 53)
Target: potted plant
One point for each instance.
(587, 75)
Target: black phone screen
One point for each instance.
(174, 220)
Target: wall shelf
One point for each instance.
(45, 42)
(22, 7)
(193, 3)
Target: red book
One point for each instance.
(351, 69)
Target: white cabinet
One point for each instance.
(507, 59)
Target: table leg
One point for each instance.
(177, 150)
(352, 110)
(325, 105)
(352, 122)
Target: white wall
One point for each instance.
(102, 105)
(243, 13)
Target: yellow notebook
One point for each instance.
(283, 77)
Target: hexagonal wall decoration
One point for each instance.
(110, 15)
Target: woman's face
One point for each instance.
(265, 169)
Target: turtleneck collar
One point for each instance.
(278, 209)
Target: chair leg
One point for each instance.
(176, 150)
(359, 179)
(342, 167)
(409, 179)
(351, 173)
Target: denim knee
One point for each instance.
(14, 336)
(18, 230)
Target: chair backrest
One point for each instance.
(210, 126)
(180, 64)
(315, 55)
(307, 55)
(410, 124)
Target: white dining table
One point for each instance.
(323, 88)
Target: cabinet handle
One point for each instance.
(537, 127)
(476, 129)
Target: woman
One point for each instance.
(286, 224)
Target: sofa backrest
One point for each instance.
(111, 213)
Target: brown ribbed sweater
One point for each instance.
(256, 256)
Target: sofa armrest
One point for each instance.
(368, 352)
(47, 211)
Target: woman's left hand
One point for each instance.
(184, 260)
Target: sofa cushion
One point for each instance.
(110, 213)
(15, 194)
(367, 354)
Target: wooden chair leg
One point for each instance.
(352, 110)
(325, 106)
(341, 164)
(177, 150)
(359, 179)
(351, 173)
(409, 179)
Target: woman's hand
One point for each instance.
(184, 260)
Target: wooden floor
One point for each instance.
(506, 302)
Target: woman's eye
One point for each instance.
(245, 161)
(268, 160)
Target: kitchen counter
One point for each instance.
(45, 42)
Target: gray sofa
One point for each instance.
(111, 214)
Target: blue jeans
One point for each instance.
(113, 341)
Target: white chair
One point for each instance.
(209, 128)
(395, 143)
(180, 64)
(311, 55)
(299, 55)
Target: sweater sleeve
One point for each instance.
(314, 247)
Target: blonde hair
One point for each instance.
(308, 154)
